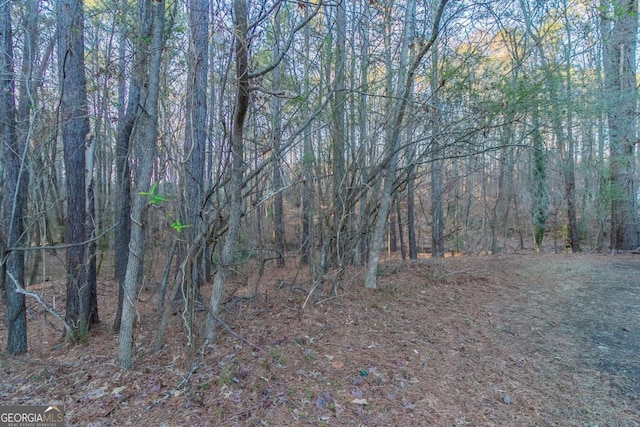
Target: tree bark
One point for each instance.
(364, 143)
(237, 164)
(276, 141)
(540, 191)
(307, 238)
(437, 194)
(81, 309)
(393, 148)
(560, 107)
(147, 141)
(196, 126)
(338, 140)
(503, 200)
(15, 193)
(126, 123)
(619, 31)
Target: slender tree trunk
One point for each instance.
(569, 162)
(392, 245)
(503, 200)
(539, 181)
(237, 163)
(403, 250)
(393, 146)
(437, 194)
(15, 193)
(126, 123)
(339, 135)
(27, 105)
(364, 145)
(619, 30)
(411, 216)
(437, 220)
(196, 126)
(603, 199)
(147, 141)
(564, 139)
(570, 193)
(307, 239)
(276, 140)
(307, 203)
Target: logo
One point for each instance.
(31, 416)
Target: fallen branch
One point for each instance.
(38, 298)
(231, 331)
(32, 362)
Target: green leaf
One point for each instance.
(157, 199)
(179, 226)
(152, 194)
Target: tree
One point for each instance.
(15, 194)
(561, 117)
(276, 142)
(392, 145)
(82, 309)
(338, 137)
(196, 124)
(127, 116)
(364, 142)
(308, 159)
(151, 13)
(236, 173)
(437, 194)
(540, 192)
(619, 27)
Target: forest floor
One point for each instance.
(509, 340)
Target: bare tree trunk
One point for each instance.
(276, 140)
(147, 140)
(81, 304)
(339, 135)
(393, 145)
(237, 163)
(560, 107)
(619, 32)
(307, 203)
(307, 238)
(569, 162)
(392, 227)
(539, 181)
(411, 216)
(364, 145)
(126, 124)
(437, 219)
(29, 86)
(501, 207)
(15, 194)
(196, 127)
(603, 199)
(403, 250)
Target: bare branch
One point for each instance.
(38, 298)
(56, 247)
(284, 51)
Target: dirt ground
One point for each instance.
(511, 340)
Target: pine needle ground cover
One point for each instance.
(510, 340)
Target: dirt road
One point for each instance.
(596, 311)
